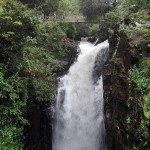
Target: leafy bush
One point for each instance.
(13, 98)
(38, 67)
(28, 62)
(27, 67)
(16, 24)
(139, 85)
(69, 29)
(108, 24)
(140, 79)
(93, 9)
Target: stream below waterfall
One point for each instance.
(79, 110)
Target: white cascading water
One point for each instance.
(79, 111)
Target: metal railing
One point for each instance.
(66, 18)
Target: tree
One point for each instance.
(65, 5)
(16, 25)
(46, 6)
(26, 70)
(93, 8)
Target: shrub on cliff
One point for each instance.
(16, 24)
(139, 99)
(28, 63)
(127, 14)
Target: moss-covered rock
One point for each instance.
(126, 94)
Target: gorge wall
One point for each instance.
(122, 132)
(123, 55)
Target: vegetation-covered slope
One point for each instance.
(28, 61)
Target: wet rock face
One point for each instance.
(137, 38)
(100, 60)
(39, 132)
(115, 76)
(91, 39)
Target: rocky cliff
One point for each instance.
(123, 122)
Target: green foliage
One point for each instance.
(92, 9)
(135, 148)
(51, 34)
(140, 76)
(135, 11)
(65, 5)
(33, 3)
(130, 6)
(13, 18)
(108, 23)
(140, 16)
(94, 28)
(27, 66)
(114, 55)
(12, 107)
(53, 37)
(140, 79)
(13, 88)
(49, 6)
(146, 106)
(38, 67)
(69, 29)
(128, 120)
(139, 85)
(28, 62)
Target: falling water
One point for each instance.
(79, 111)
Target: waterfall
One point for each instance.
(79, 110)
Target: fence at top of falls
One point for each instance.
(63, 18)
